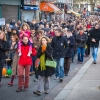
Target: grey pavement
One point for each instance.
(7, 92)
(84, 86)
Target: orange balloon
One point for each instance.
(4, 71)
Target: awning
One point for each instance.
(30, 8)
(49, 7)
(73, 12)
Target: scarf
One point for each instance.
(42, 62)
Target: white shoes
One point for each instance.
(20, 54)
(35, 80)
(56, 78)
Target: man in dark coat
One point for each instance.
(81, 39)
(60, 47)
(68, 55)
(94, 41)
(87, 52)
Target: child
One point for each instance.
(25, 31)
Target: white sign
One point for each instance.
(2, 21)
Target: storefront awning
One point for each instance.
(30, 8)
(49, 7)
(73, 12)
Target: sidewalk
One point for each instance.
(84, 86)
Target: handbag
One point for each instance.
(51, 63)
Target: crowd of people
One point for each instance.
(25, 47)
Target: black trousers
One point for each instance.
(87, 52)
(67, 65)
(2, 62)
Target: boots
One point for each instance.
(12, 79)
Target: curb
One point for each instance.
(69, 87)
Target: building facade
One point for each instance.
(65, 5)
(10, 9)
(29, 10)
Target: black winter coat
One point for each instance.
(12, 51)
(4, 47)
(96, 35)
(60, 47)
(48, 55)
(81, 40)
(71, 46)
(88, 35)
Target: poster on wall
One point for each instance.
(2, 21)
(29, 2)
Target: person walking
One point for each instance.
(94, 41)
(68, 55)
(87, 53)
(25, 63)
(81, 39)
(13, 55)
(44, 52)
(4, 47)
(60, 47)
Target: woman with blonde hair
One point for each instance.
(44, 52)
(4, 47)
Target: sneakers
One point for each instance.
(35, 80)
(30, 74)
(18, 90)
(94, 62)
(37, 92)
(61, 80)
(25, 89)
(29, 54)
(66, 74)
(56, 78)
(10, 83)
(46, 92)
(20, 54)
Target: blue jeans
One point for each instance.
(94, 53)
(81, 51)
(8, 67)
(60, 67)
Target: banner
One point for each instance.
(2, 21)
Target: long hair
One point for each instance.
(15, 36)
(4, 38)
(25, 24)
(45, 37)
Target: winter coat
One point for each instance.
(71, 46)
(24, 59)
(13, 51)
(48, 53)
(88, 35)
(60, 47)
(81, 40)
(4, 47)
(96, 35)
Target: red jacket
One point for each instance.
(24, 59)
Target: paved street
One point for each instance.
(9, 92)
(84, 86)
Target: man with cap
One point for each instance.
(81, 40)
(71, 42)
